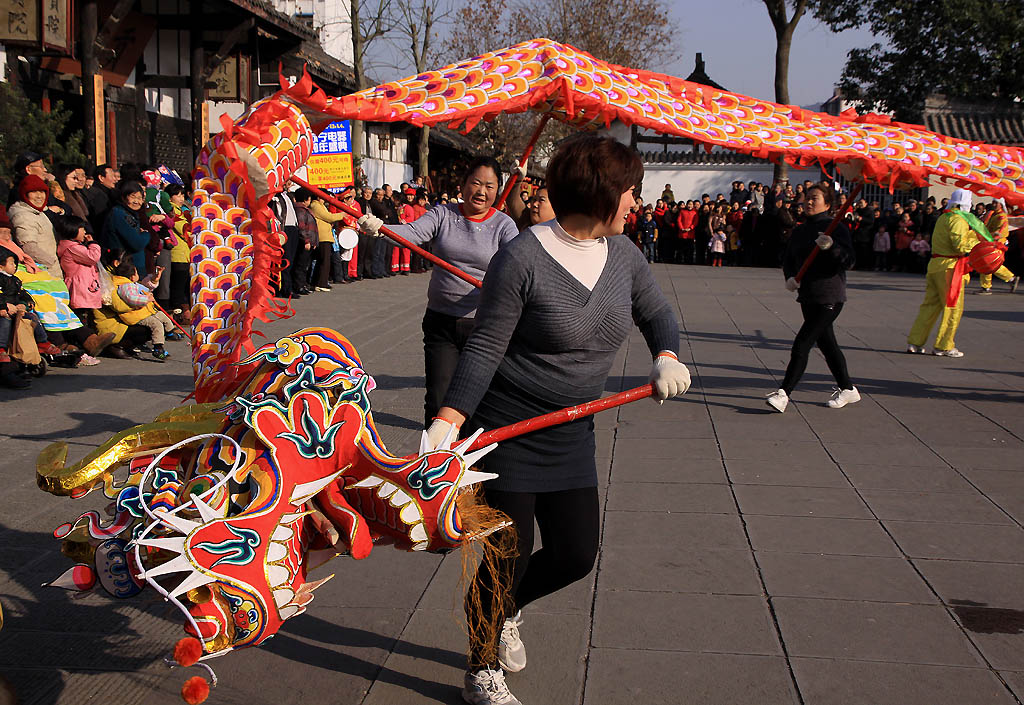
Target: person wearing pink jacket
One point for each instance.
(79, 260)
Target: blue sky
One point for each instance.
(738, 43)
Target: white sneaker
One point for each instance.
(87, 360)
(511, 650)
(487, 687)
(952, 352)
(842, 397)
(916, 349)
(778, 400)
(985, 292)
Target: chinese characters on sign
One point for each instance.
(19, 20)
(330, 165)
(56, 25)
(225, 79)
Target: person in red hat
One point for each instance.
(33, 231)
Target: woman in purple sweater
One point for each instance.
(466, 235)
(557, 304)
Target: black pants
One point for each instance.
(817, 330)
(689, 250)
(323, 264)
(300, 270)
(292, 244)
(444, 337)
(365, 253)
(568, 522)
(180, 286)
(381, 262)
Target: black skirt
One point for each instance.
(548, 460)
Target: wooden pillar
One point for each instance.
(92, 84)
(198, 87)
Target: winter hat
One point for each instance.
(5, 253)
(29, 184)
(960, 197)
(24, 159)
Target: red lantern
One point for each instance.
(986, 257)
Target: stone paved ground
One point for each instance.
(872, 555)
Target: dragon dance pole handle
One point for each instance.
(387, 231)
(522, 161)
(847, 205)
(561, 416)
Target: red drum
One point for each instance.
(986, 257)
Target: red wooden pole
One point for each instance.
(828, 231)
(188, 336)
(397, 238)
(522, 161)
(561, 416)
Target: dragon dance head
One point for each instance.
(224, 509)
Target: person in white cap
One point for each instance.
(947, 277)
(998, 225)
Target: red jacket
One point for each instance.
(686, 221)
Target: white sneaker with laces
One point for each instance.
(511, 650)
(487, 687)
(916, 349)
(87, 360)
(842, 397)
(952, 352)
(778, 400)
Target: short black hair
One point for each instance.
(127, 188)
(483, 161)
(174, 189)
(589, 174)
(125, 268)
(5, 255)
(66, 227)
(100, 169)
(302, 194)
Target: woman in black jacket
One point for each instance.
(822, 292)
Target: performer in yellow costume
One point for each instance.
(998, 225)
(952, 241)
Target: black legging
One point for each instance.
(444, 337)
(568, 522)
(817, 329)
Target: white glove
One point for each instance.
(369, 224)
(792, 284)
(437, 434)
(823, 242)
(669, 377)
(521, 170)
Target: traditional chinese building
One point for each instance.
(149, 79)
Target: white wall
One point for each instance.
(380, 172)
(690, 181)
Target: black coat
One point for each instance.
(825, 281)
(12, 292)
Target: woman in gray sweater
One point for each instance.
(467, 235)
(557, 304)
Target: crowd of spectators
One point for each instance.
(751, 226)
(108, 250)
(101, 259)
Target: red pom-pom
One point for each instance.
(195, 690)
(187, 651)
